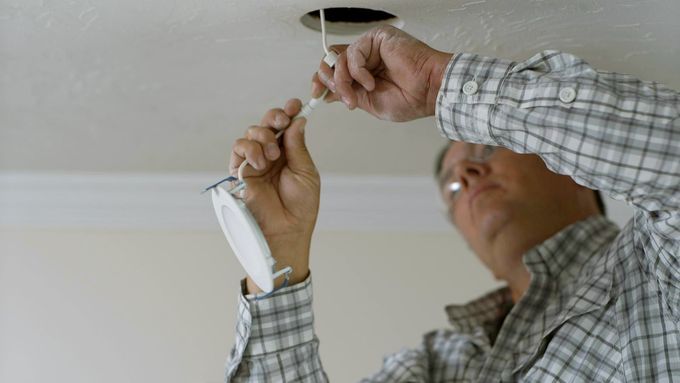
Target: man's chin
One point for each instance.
(492, 222)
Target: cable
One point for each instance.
(322, 16)
(330, 58)
(303, 113)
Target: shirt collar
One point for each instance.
(560, 257)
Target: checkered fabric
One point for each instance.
(603, 305)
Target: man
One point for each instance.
(584, 301)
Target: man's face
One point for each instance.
(505, 194)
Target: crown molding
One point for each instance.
(173, 201)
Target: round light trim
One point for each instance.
(245, 238)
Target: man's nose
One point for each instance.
(471, 172)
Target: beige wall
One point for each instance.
(88, 306)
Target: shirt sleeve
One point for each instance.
(275, 342)
(275, 339)
(608, 131)
(408, 365)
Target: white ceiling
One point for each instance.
(152, 85)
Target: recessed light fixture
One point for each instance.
(350, 21)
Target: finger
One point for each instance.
(251, 151)
(343, 82)
(297, 156)
(267, 139)
(325, 75)
(357, 59)
(317, 86)
(275, 118)
(235, 161)
(332, 97)
(362, 96)
(338, 48)
(364, 101)
(293, 107)
(365, 51)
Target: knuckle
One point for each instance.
(386, 29)
(240, 147)
(240, 142)
(251, 130)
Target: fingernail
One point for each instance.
(302, 128)
(272, 151)
(345, 101)
(322, 76)
(327, 81)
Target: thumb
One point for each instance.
(297, 155)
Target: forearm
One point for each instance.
(607, 131)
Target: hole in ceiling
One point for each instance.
(350, 21)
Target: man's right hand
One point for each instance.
(283, 188)
(387, 73)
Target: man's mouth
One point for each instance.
(480, 190)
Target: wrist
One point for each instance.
(293, 253)
(439, 62)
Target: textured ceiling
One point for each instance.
(154, 85)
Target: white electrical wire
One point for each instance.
(307, 109)
(330, 58)
(322, 16)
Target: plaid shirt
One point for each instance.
(603, 304)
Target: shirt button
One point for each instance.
(567, 95)
(470, 88)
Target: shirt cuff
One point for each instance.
(281, 321)
(468, 95)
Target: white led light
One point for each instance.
(245, 238)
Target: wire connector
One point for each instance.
(330, 58)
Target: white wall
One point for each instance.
(160, 306)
